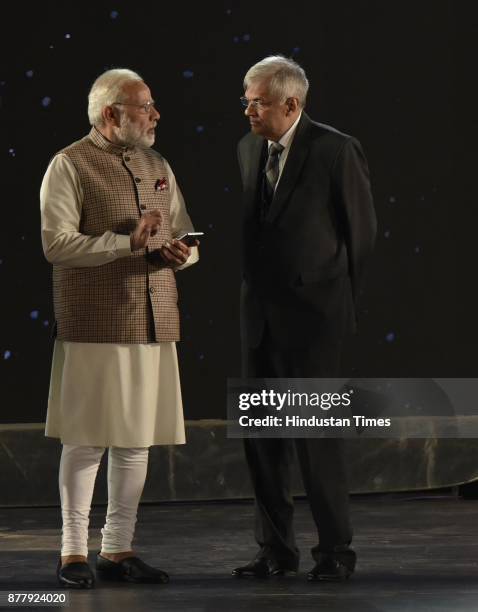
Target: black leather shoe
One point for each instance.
(75, 575)
(333, 567)
(262, 567)
(130, 569)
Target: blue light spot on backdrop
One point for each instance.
(114, 14)
(46, 101)
(34, 314)
(188, 74)
(236, 39)
(11, 152)
(246, 37)
(200, 129)
(46, 323)
(67, 36)
(29, 73)
(390, 337)
(7, 355)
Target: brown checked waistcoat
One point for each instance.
(128, 300)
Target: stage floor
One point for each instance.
(415, 552)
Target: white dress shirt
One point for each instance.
(286, 141)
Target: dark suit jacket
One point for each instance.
(302, 265)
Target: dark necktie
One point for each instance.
(272, 167)
(270, 177)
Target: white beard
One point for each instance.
(130, 135)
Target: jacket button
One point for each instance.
(151, 289)
(137, 179)
(127, 158)
(143, 206)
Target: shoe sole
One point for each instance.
(121, 578)
(284, 573)
(277, 574)
(74, 585)
(328, 578)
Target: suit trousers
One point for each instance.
(321, 462)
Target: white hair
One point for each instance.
(108, 89)
(286, 78)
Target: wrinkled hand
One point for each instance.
(172, 254)
(147, 226)
(175, 253)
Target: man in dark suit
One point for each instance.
(309, 226)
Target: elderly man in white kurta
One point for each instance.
(110, 211)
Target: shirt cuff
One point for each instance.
(123, 245)
(192, 259)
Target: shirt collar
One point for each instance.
(286, 139)
(103, 143)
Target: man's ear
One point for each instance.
(292, 105)
(110, 116)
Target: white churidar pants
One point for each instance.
(127, 469)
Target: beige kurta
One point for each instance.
(104, 394)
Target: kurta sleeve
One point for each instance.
(61, 199)
(180, 220)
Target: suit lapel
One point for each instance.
(295, 160)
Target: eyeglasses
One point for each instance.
(258, 104)
(145, 108)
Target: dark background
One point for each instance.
(400, 76)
